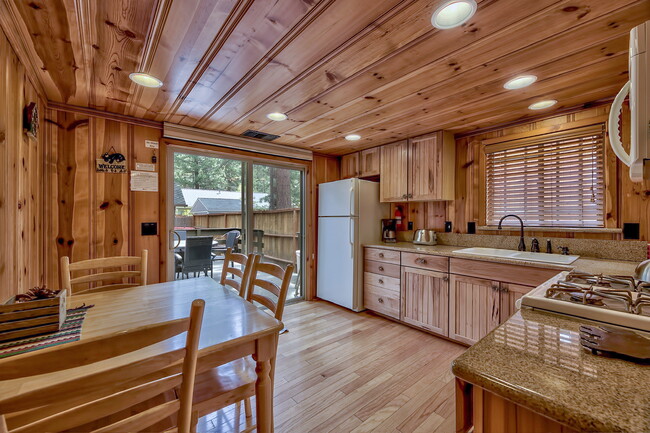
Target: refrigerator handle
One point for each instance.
(351, 235)
(352, 200)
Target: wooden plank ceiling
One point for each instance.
(376, 68)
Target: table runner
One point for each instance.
(70, 331)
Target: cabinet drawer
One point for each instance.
(388, 269)
(426, 261)
(377, 280)
(379, 255)
(525, 275)
(381, 300)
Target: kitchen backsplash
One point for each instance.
(603, 249)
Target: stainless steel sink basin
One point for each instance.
(556, 259)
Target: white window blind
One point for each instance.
(552, 180)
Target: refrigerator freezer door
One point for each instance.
(337, 273)
(338, 198)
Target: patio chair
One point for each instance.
(197, 256)
(232, 239)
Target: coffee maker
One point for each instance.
(389, 230)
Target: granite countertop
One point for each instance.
(586, 264)
(535, 359)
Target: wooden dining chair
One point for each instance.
(243, 271)
(112, 274)
(76, 393)
(235, 381)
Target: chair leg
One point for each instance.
(247, 408)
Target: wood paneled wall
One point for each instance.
(22, 158)
(627, 202)
(92, 214)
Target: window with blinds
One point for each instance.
(552, 180)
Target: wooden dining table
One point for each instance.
(232, 328)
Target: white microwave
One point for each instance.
(638, 88)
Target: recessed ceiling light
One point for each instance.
(278, 117)
(353, 137)
(145, 80)
(520, 82)
(453, 13)
(542, 104)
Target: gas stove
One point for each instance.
(614, 299)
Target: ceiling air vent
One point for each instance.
(260, 135)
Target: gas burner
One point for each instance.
(611, 292)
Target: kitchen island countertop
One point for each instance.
(535, 359)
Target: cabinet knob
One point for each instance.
(404, 196)
(496, 287)
(381, 300)
(381, 281)
(505, 289)
(381, 268)
(421, 261)
(445, 279)
(381, 255)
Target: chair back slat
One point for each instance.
(268, 286)
(98, 385)
(242, 272)
(256, 280)
(109, 391)
(111, 271)
(144, 419)
(100, 408)
(89, 351)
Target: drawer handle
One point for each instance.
(381, 268)
(421, 261)
(381, 300)
(495, 288)
(445, 279)
(381, 281)
(381, 255)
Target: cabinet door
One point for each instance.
(393, 183)
(350, 165)
(425, 299)
(432, 174)
(509, 295)
(369, 162)
(473, 308)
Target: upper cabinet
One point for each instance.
(420, 169)
(394, 161)
(350, 165)
(369, 162)
(361, 164)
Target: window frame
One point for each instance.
(609, 170)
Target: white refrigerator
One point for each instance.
(349, 216)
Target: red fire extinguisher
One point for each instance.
(398, 218)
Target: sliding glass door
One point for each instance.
(221, 202)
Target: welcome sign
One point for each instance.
(110, 167)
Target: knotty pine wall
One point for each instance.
(22, 162)
(92, 214)
(627, 202)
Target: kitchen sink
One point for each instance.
(555, 259)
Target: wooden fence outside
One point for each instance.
(281, 230)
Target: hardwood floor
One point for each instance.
(339, 371)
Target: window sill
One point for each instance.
(554, 229)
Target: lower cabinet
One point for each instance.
(425, 299)
(477, 306)
(473, 308)
(458, 298)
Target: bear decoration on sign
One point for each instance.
(30, 120)
(111, 162)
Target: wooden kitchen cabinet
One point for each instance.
(350, 165)
(369, 162)
(425, 299)
(473, 308)
(477, 306)
(393, 181)
(432, 167)
(420, 169)
(381, 281)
